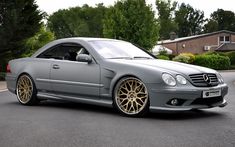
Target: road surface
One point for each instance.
(77, 125)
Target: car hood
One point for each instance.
(165, 66)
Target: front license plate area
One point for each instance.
(211, 93)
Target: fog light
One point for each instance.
(174, 102)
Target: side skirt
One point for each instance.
(100, 102)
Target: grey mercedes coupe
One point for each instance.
(113, 73)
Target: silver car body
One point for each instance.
(94, 83)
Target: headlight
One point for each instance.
(220, 79)
(181, 79)
(168, 79)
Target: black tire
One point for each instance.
(130, 97)
(26, 91)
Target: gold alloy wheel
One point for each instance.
(24, 89)
(131, 96)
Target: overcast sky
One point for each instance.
(208, 6)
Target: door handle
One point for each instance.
(55, 66)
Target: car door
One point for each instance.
(70, 77)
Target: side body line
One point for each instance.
(70, 82)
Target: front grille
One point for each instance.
(207, 101)
(199, 81)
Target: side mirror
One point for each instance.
(84, 58)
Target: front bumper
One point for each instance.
(190, 97)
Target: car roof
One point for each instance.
(71, 39)
(89, 39)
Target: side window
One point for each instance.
(56, 52)
(64, 52)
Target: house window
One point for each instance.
(227, 38)
(221, 38)
(224, 39)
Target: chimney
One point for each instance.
(173, 36)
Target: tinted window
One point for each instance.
(64, 52)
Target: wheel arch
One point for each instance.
(19, 75)
(120, 78)
(146, 107)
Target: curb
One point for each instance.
(3, 86)
(226, 70)
(4, 90)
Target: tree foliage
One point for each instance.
(78, 21)
(190, 21)
(41, 38)
(132, 20)
(220, 20)
(19, 20)
(166, 11)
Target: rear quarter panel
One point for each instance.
(36, 68)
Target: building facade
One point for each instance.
(198, 44)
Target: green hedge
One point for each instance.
(171, 56)
(185, 58)
(213, 61)
(2, 76)
(3, 64)
(190, 55)
(181, 58)
(231, 56)
(215, 53)
(4, 60)
(163, 57)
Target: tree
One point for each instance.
(220, 20)
(78, 21)
(210, 26)
(190, 21)
(165, 11)
(132, 20)
(41, 38)
(19, 20)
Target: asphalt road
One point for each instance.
(78, 125)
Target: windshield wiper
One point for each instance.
(120, 58)
(135, 57)
(139, 57)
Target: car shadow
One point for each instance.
(76, 106)
(160, 115)
(183, 115)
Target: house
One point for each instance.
(158, 48)
(222, 41)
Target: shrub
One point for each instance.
(4, 60)
(215, 53)
(213, 61)
(182, 58)
(163, 52)
(163, 57)
(171, 56)
(210, 53)
(2, 76)
(231, 56)
(190, 55)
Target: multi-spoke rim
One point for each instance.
(131, 96)
(24, 89)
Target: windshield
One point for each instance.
(118, 49)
